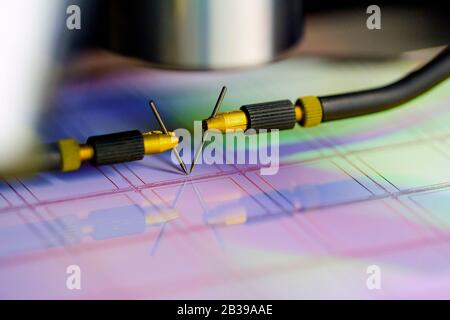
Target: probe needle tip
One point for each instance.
(198, 152)
(164, 129)
(213, 114)
(183, 166)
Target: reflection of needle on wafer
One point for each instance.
(233, 217)
(164, 129)
(161, 217)
(213, 115)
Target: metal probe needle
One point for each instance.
(164, 129)
(214, 113)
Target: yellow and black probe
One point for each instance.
(68, 154)
(310, 111)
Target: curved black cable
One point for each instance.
(358, 103)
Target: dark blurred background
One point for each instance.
(331, 27)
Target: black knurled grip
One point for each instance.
(270, 115)
(117, 147)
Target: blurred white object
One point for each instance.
(27, 34)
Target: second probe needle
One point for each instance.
(213, 115)
(164, 129)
